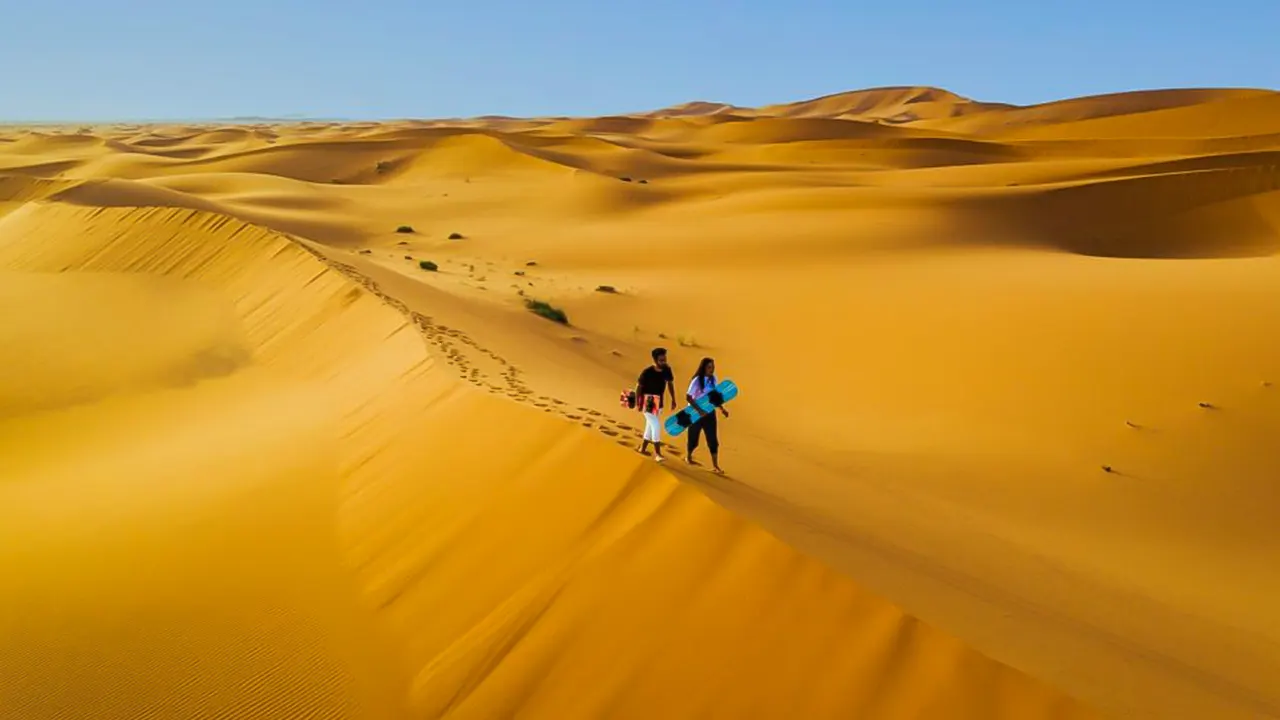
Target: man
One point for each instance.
(652, 383)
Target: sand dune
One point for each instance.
(1094, 113)
(699, 108)
(15, 190)
(876, 153)
(616, 125)
(1221, 206)
(778, 130)
(372, 532)
(889, 104)
(257, 462)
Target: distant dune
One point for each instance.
(699, 107)
(1120, 110)
(1004, 448)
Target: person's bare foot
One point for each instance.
(689, 459)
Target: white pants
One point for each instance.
(652, 427)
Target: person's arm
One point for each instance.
(671, 385)
(688, 396)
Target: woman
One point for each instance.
(703, 382)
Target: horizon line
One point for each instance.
(302, 118)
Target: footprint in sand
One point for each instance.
(443, 338)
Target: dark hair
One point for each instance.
(658, 352)
(702, 367)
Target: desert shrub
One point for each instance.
(555, 314)
(428, 265)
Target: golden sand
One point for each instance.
(1006, 444)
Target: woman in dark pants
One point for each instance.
(704, 381)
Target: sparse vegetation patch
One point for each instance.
(546, 310)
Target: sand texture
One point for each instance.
(1007, 443)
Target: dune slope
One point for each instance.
(261, 495)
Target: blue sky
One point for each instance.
(159, 59)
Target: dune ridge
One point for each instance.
(245, 431)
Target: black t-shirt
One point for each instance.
(654, 381)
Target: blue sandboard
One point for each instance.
(724, 391)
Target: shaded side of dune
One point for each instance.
(336, 528)
(1210, 207)
(17, 189)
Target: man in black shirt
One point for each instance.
(650, 387)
